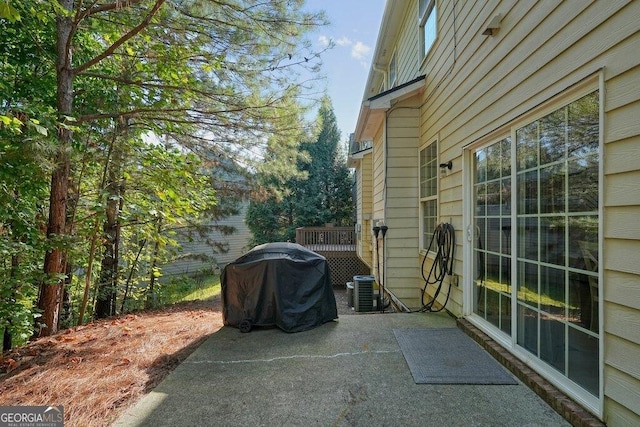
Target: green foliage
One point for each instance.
(198, 287)
(319, 193)
(325, 197)
(8, 12)
(154, 97)
(189, 288)
(23, 190)
(268, 221)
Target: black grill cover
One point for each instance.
(281, 284)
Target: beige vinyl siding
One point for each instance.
(622, 389)
(360, 193)
(622, 241)
(542, 49)
(402, 207)
(622, 222)
(618, 415)
(365, 208)
(378, 175)
(623, 289)
(479, 86)
(490, 76)
(408, 46)
(623, 155)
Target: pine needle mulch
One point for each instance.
(98, 370)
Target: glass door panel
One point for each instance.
(554, 173)
(557, 173)
(492, 234)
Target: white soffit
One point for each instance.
(372, 110)
(383, 100)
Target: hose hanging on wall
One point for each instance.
(445, 238)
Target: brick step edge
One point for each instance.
(571, 411)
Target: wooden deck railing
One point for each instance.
(338, 245)
(328, 239)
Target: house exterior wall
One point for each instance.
(476, 85)
(566, 42)
(237, 245)
(401, 203)
(378, 175)
(407, 46)
(365, 209)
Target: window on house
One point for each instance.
(393, 71)
(427, 20)
(428, 191)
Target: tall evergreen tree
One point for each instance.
(321, 195)
(328, 177)
(210, 75)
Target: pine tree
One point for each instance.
(321, 195)
(212, 76)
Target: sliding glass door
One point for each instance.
(536, 194)
(492, 234)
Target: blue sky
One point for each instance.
(353, 28)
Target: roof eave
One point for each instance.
(373, 109)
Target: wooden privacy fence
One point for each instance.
(338, 246)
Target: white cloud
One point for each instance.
(324, 40)
(360, 50)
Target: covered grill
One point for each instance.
(278, 284)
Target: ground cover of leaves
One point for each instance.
(96, 371)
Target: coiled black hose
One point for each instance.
(445, 239)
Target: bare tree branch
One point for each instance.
(143, 111)
(142, 83)
(145, 22)
(107, 7)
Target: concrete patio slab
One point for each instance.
(345, 373)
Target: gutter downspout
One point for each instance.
(383, 71)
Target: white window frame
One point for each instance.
(578, 90)
(393, 70)
(427, 14)
(425, 234)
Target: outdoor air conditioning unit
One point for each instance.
(363, 293)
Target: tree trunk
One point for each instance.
(66, 310)
(107, 285)
(141, 246)
(7, 340)
(89, 273)
(94, 239)
(7, 337)
(151, 301)
(51, 289)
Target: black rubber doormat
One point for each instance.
(448, 356)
